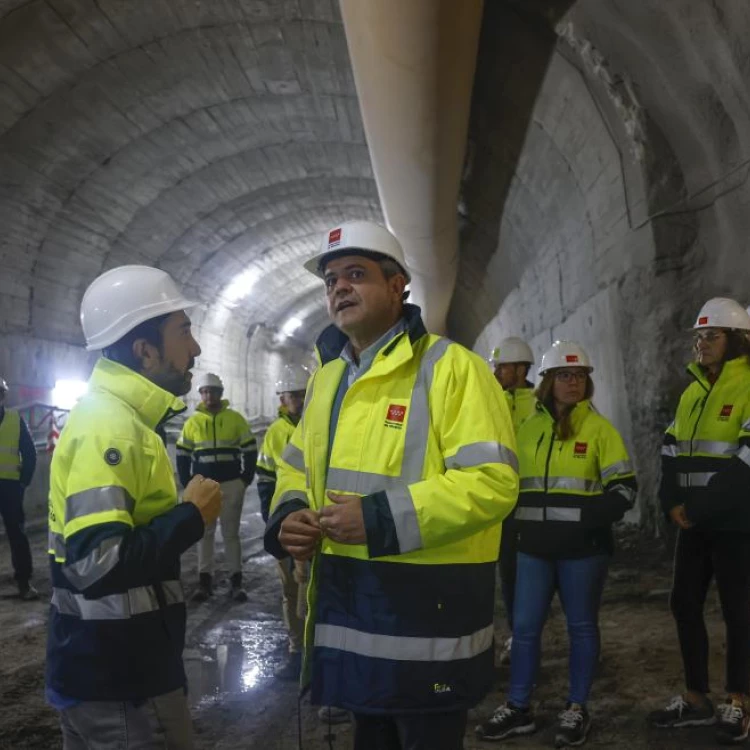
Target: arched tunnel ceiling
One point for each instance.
(206, 138)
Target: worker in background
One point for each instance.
(17, 465)
(396, 482)
(705, 492)
(216, 442)
(576, 481)
(511, 362)
(116, 530)
(291, 391)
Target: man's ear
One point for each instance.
(398, 284)
(147, 355)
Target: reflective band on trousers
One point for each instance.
(707, 447)
(98, 500)
(136, 601)
(575, 484)
(548, 514)
(402, 648)
(695, 478)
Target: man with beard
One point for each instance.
(117, 620)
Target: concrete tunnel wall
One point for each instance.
(604, 195)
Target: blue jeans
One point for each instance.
(580, 583)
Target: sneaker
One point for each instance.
(333, 715)
(507, 721)
(205, 588)
(291, 671)
(505, 653)
(236, 591)
(26, 592)
(679, 713)
(574, 726)
(734, 721)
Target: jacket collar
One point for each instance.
(731, 369)
(153, 405)
(332, 341)
(202, 407)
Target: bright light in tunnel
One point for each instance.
(242, 285)
(290, 326)
(66, 393)
(250, 677)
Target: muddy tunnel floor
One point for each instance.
(234, 649)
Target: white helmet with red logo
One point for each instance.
(564, 354)
(722, 312)
(353, 238)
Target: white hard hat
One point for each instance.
(721, 312)
(123, 298)
(293, 378)
(209, 380)
(511, 350)
(565, 354)
(354, 236)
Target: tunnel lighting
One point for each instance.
(66, 393)
(290, 326)
(242, 285)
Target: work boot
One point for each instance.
(507, 721)
(205, 588)
(26, 592)
(333, 715)
(734, 721)
(681, 713)
(237, 593)
(574, 726)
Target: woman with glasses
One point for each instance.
(705, 491)
(576, 481)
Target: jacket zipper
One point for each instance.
(546, 466)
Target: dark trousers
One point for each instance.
(11, 510)
(508, 566)
(700, 556)
(410, 732)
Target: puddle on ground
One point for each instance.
(233, 659)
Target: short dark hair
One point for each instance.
(122, 350)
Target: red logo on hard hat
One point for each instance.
(571, 358)
(334, 238)
(579, 450)
(726, 411)
(703, 321)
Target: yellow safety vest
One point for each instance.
(425, 434)
(10, 455)
(522, 404)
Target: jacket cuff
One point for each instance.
(380, 527)
(273, 527)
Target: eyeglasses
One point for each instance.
(708, 336)
(570, 376)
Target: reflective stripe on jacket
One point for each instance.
(403, 623)
(571, 490)
(116, 533)
(706, 449)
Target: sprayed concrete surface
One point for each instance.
(234, 649)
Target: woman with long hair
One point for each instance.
(576, 481)
(705, 492)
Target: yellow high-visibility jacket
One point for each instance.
(278, 435)
(571, 490)
(405, 622)
(218, 446)
(706, 450)
(116, 533)
(522, 404)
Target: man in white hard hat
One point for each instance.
(290, 389)
(17, 465)
(216, 442)
(511, 361)
(396, 483)
(116, 530)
